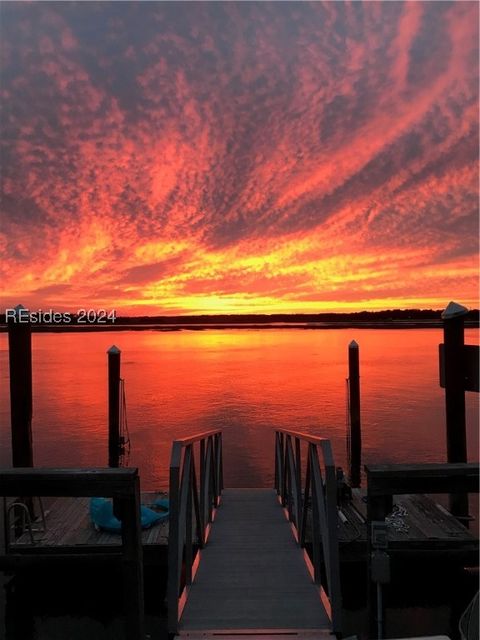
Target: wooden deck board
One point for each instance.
(69, 525)
(429, 528)
(252, 574)
(426, 524)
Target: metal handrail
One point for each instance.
(192, 504)
(24, 521)
(298, 493)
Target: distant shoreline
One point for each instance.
(378, 324)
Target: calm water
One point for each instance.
(247, 382)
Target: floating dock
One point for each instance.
(422, 528)
(70, 534)
(418, 527)
(237, 558)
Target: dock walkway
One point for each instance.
(252, 573)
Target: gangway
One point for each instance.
(237, 558)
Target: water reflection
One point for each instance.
(247, 382)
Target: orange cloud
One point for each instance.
(241, 157)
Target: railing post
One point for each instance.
(276, 462)
(306, 498)
(333, 551)
(218, 467)
(221, 461)
(211, 478)
(188, 534)
(285, 494)
(202, 484)
(113, 406)
(279, 468)
(315, 518)
(298, 474)
(207, 483)
(173, 535)
(196, 506)
(355, 435)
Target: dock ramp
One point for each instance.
(250, 575)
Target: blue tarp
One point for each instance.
(101, 513)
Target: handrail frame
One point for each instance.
(296, 497)
(192, 509)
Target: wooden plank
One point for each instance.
(67, 482)
(69, 524)
(252, 574)
(429, 524)
(422, 478)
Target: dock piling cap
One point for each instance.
(19, 308)
(113, 350)
(20, 314)
(454, 310)
(353, 345)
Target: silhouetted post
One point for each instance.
(133, 563)
(20, 359)
(113, 406)
(355, 451)
(453, 337)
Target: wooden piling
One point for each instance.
(453, 333)
(133, 564)
(20, 361)
(113, 406)
(355, 434)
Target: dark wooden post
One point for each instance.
(453, 336)
(132, 563)
(355, 450)
(113, 406)
(20, 358)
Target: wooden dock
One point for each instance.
(252, 574)
(419, 527)
(237, 558)
(427, 529)
(70, 532)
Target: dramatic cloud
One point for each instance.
(231, 156)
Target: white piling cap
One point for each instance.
(18, 309)
(113, 349)
(353, 345)
(454, 310)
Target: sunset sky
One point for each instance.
(163, 158)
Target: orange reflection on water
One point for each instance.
(247, 382)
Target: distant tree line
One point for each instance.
(249, 318)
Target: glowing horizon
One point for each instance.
(239, 157)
